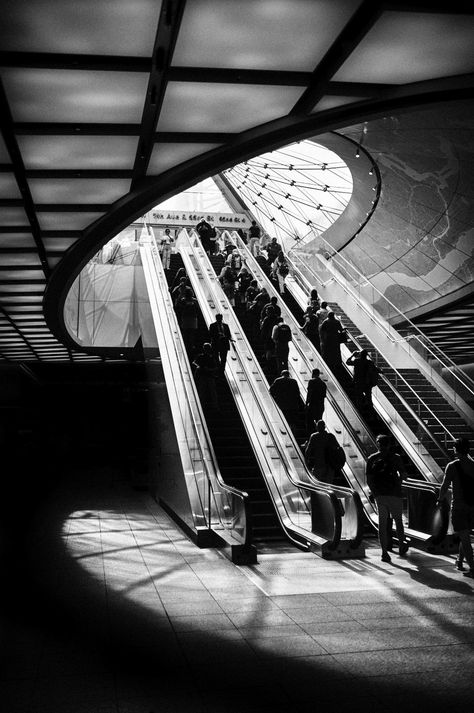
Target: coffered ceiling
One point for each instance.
(106, 108)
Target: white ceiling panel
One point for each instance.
(16, 240)
(69, 152)
(59, 243)
(166, 156)
(21, 258)
(78, 190)
(223, 107)
(66, 221)
(329, 102)
(13, 216)
(410, 47)
(4, 155)
(75, 96)
(9, 186)
(272, 34)
(85, 27)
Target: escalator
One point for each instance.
(315, 516)
(357, 439)
(234, 454)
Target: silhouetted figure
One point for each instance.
(204, 230)
(459, 475)
(166, 247)
(286, 394)
(254, 239)
(385, 473)
(205, 374)
(330, 335)
(320, 443)
(315, 396)
(282, 337)
(280, 270)
(310, 327)
(228, 278)
(365, 378)
(187, 310)
(221, 339)
(273, 249)
(273, 304)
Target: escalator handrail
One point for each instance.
(421, 424)
(308, 486)
(235, 492)
(446, 361)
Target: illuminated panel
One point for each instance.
(166, 156)
(69, 152)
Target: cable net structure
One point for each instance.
(296, 192)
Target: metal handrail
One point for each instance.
(316, 487)
(234, 492)
(427, 343)
(399, 377)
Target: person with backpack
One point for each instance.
(385, 473)
(459, 475)
(323, 454)
(282, 337)
(280, 270)
(365, 378)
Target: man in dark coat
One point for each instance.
(205, 230)
(315, 396)
(365, 378)
(330, 334)
(286, 393)
(220, 336)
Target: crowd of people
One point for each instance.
(323, 454)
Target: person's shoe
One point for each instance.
(459, 565)
(403, 549)
(386, 557)
(469, 573)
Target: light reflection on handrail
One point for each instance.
(427, 344)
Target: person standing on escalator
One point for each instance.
(385, 473)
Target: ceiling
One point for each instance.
(106, 108)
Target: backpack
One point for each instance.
(283, 335)
(335, 456)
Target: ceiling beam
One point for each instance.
(6, 128)
(72, 207)
(80, 62)
(38, 128)
(357, 27)
(193, 137)
(165, 41)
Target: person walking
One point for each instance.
(273, 249)
(315, 395)
(286, 394)
(281, 335)
(310, 327)
(221, 339)
(385, 473)
(273, 304)
(317, 450)
(459, 475)
(204, 230)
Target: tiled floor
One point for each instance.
(115, 610)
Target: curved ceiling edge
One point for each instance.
(263, 138)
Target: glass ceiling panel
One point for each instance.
(66, 221)
(21, 259)
(409, 47)
(16, 240)
(166, 156)
(68, 152)
(88, 26)
(204, 196)
(75, 96)
(296, 192)
(272, 34)
(198, 106)
(9, 186)
(13, 216)
(78, 190)
(329, 102)
(59, 243)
